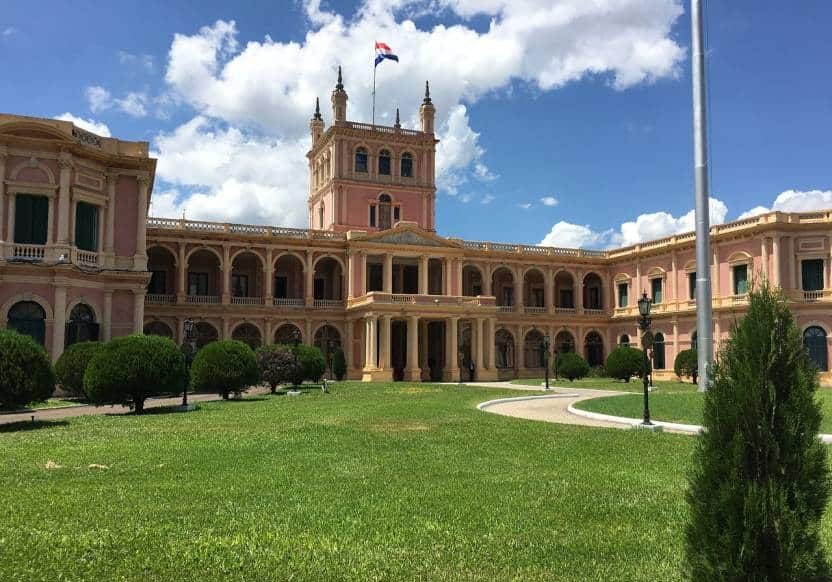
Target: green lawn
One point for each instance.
(370, 482)
(634, 385)
(684, 407)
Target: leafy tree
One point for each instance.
(275, 363)
(224, 367)
(72, 364)
(625, 362)
(572, 366)
(686, 365)
(25, 372)
(311, 363)
(760, 480)
(339, 364)
(130, 369)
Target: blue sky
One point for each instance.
(586, 110)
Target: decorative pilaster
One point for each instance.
(4, 153)
(140, 260)
(226, 275)
(59, 322)
(138, 310)
(109, 237)
(107, 316)
(65, 163)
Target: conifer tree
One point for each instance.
(760, 480)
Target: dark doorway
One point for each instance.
(398, 346)
(436, 350)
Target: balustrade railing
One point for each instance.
(159, 299)
(812, 296)
(246, 301)
(565, 310)
(594, 312)
(534, 309)
(327, 303)
(294, 302)
(29, 252)
(505, 308)
(85, 257)
(202, 299)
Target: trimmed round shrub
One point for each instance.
(131, 369)
(25, 372)
(72, 364)
(686, 365)
(572, 366)
(224, 367)
(625, 362)
(311, 363)
(275, 363)
(339, 364)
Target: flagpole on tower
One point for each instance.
(374, 93)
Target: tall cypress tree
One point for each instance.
(760, 480)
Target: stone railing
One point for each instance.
(565, 310)
(381, 128)
(293, 302)
(379, 297)
(505, 308)
(198, 226)
(594, 312)
(82, 257)
(247, 301)
(159, 299)
(530, 249)
(534, 309)
(328, 303)
(203, 299)
(28, 252)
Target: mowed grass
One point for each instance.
(370, 482)
(634, 385)
(684, 407)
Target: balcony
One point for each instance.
(290, 302)
(159, 299)
(203, 299)
(565, 310)
(82, 257)
(594, 312)
(534, 309)
(26, 252)
(247, 301)
(813, 296)
(505, 308)
(404, 299)
(328, 304)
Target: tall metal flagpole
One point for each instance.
(704, 312)
(374, 92)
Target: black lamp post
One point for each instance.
(546, 358)
(295, 342)
(644, 305)
(188, 328)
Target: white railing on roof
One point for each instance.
(246, 229)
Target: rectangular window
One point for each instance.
(740, 279)
(384, 165)
(239, 285)
(566, 299)
(623, 294)
(197, 283)
(407, 167)
(692, 286)
(86, 227)
(372, 215)
(397, 214)
(361, 162)
(656, 290)
(319, 289)
(281, 286)
(158, 283)
(537, 298)
(812, 274)
(31, 216)
(375, 277)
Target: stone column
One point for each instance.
(716, 291)
(446, 275)
(451, 355)
(269, 278)
(673, 273)
(4, 152)
(491, 339)
(181, 274)
(384, 360)
(413, 373)
(362, 267)
(519, 299)
(487, 273)
(479, 359)
(550, 290)
(579, 294)
(775, 252)
(423, 275)
(763, 257)
(226, 275)
(348, 346)
(140, 261)
(637, 286)
(10, 219)
(65, 163)
(458, 276)
(59, 322)
(107, 317)
(676, 349)
(309, 280)
(225, 331)
(50, 221)
(110, 235)
(388, 273)
(352, 265)
(792, 283)
(269, 339)
(138, 310)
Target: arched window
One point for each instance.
(205, 334)
(533, 353)
(283, 334)
(384, 162)
(28, 318)
(384, 212)
(81, 326)
(624, 340)
(327, 339)
(158, 328)
(248, 334)
(407, 165)
(814, 340)
(564, 342)
(361, 160)
(658, 351)
(594, 349)
(593, 292)
(504, 349)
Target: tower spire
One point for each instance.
(427, 92)
(340, 85)
(317, 109)
(339, 100)
(398, 123)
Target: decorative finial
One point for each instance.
(317, 115)
(398, 123)
(427, 92)
(340, 84)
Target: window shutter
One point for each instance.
(86, 227)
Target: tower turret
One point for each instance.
(427, 112)
(316, 125)
(339, 101)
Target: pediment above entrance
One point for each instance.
(411, 236)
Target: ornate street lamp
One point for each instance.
(188, 327)
(295, 342)
(546, 358)
(644, 305)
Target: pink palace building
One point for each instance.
(80, 259)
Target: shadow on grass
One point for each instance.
(253, 399)
(25, 425)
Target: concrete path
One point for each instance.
(47, 414)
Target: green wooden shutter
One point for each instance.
(656, 287)
(741, 280)
(812, 274)
(86, 227)
(31, 217)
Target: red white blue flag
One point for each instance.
(383, 51)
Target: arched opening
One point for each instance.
(814, 340)
(248, 334)
(564, 290)
(407, 165)
(285, 334)
(564, 342)
(361, 160)
(328, 280)
(534, 290)
(471, 281)
(159, 328)
(246, 278)
(593, 292)
(162, 266)
(502, 285)
(205, 334)
(594, 349)
(533, 350)
(81, 325)
(288, 281)
(28, 318)
(385, 211)
(504, 349)
(203, 276)
(327, 339)
(658, 351)
(624, 340)
(384, 163)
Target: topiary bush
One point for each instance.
(311, 363)
(224, 367)
(131, 369)
(572, 366)
(275, 363)
(625, 362)
(339, 364)
(72, 364)
(686, 365)
(760, 480)
(26, 375)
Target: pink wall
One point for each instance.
(126, 215)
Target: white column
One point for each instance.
(414, 371)
(309, 287)
(423, 275)
(492, 361)
(775, 267)
(385, 355)
(374, 342)
(479, 359)
(138, 310)
(487, 273)
(268, 284)
(50, 222)
(352, 261)
(58, 322)
(107, 317)
(226, 275)
(388, 273)
(675, 274)
(451, 355)
(716, 290)
(181, 274)
(793, 284)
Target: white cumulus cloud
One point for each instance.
(795, 201)
(549, 201)
(96, 127)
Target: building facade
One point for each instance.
(81, 260)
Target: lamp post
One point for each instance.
(188, 328)
(546, 358)
(295, 342)
(644, 305)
